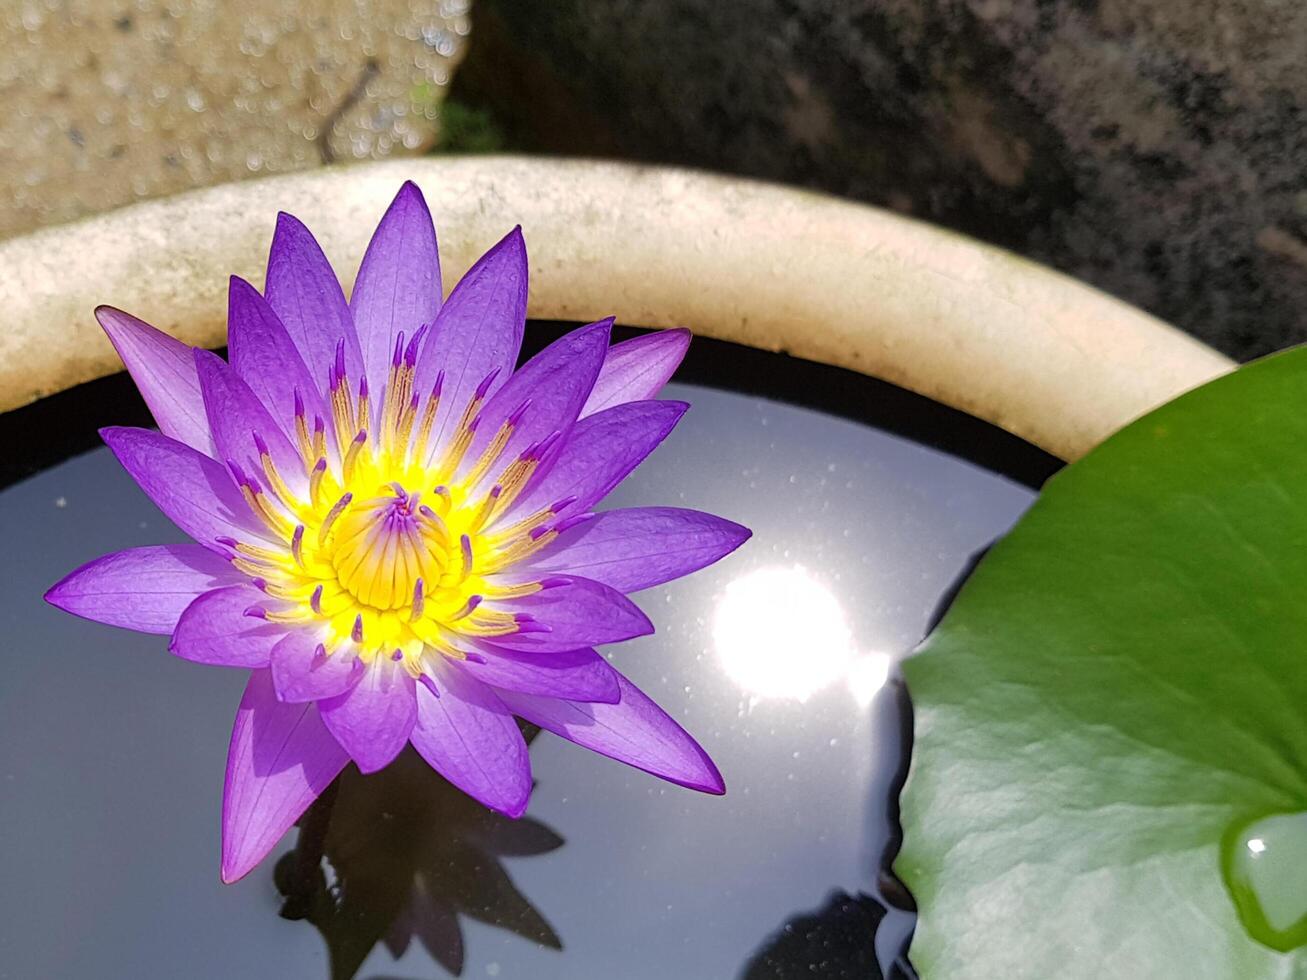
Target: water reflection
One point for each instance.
(780, 633)
(400, 855)
(867, 675)
(112, 752)
(834, 942)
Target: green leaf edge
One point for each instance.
(915, 857)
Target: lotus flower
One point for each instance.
(394, 529)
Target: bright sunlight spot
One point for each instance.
(781, 634)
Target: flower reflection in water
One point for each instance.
(835, 941)
(399, 855)
(780, 633)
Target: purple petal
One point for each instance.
(303, 291)
(398, 285)
(580, 675)
(215, 630)
(477, 334)
(281, 758)
(544, 397)
(634, 549)
(372, 720)
(164, 371)
(303, 671)
(635, 731)
(598, 455)
(144, 589)
(578, 613)
(468, 736)
(265, 358)
(236, 417)
(636, 370)
(196, 493)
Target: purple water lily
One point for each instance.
(395, 530)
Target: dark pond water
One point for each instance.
(112, 752)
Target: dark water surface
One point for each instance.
(112, 752)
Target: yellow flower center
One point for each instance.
(384, 546)
(394, 552)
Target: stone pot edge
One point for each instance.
(1033, 351)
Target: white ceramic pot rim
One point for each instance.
(1043, 356)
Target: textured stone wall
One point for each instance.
(109, 101)
(1154, 148)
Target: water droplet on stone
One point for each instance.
(1265, 869)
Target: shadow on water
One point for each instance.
(399, 856)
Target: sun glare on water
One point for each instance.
(780, 633)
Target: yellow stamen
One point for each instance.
(258, 503)
(488, 622)
(304, 439)
(254, 551)
(485, 510)
(405, 431)
(352, 455)
(364, 410)
(428, 421)
(276, 483)
(514, 479)
(490, 454)
(315, 482)
(515, 553)
(319, 442)
(336, 510)
(342, 411)
(512, 591)
(398, 392)
(251, 568)
(525, 525)
(462, 438)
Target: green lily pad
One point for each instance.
(1117, 694)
